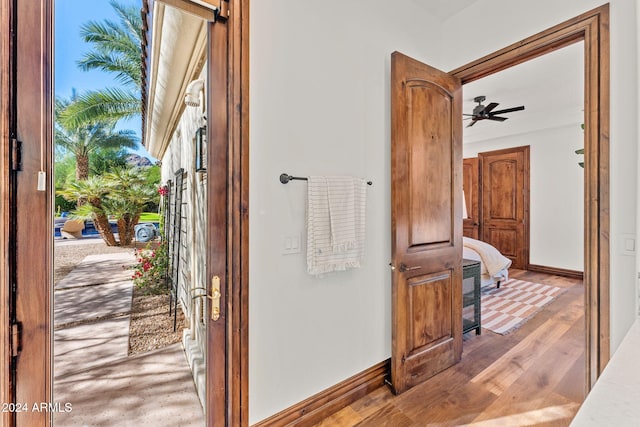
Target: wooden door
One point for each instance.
(227, 217)
(426, 200)
(471, 188)
(505, 202)
(30, 212)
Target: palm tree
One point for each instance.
(93, 191)
(84, 139)
(129, 192)
(116, 49)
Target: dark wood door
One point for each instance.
(217, 227)
(426, 200)
(471, 189)
(505, 202)
(31, 228)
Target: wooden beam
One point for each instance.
(192, 7)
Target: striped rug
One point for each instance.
(516, 301)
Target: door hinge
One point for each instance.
(16, 154)
(222, 11)
(16, 339)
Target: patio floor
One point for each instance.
(92, 371)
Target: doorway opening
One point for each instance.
(128, 319)
(592, 29)
(550, 130)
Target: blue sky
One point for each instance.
(69, 48)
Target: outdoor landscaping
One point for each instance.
(105, 188)
(150, 326)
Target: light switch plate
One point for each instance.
(291, 244)
(628, 244)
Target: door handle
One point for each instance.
(403, 267)
(215, 298)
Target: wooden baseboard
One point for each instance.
(318, 407)
(573, 274)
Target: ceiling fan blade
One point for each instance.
(473, 122)
(509, 110)
(489, 107)
(497, 119)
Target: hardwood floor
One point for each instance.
(533, 376)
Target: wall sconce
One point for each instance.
(192, 97)
(201, 149)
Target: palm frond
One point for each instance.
(126, 71)
(110, 104)
(116, 46)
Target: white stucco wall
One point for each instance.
(181, 154)
(526, 18)
(556, 193)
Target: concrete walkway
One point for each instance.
(92, 371)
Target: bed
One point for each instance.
(494, 267)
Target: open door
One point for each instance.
(27, 139)
(426, 218)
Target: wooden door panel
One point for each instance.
(506, 239)
(430, 183)
(427, 231)
(505, 202)
(471, 188)
(430, 313)
(502, 180)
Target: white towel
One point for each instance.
(335, 223)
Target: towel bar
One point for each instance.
(285, 178)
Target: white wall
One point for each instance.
(526, 18)
(556, 193)
(181, 154)
(319, 106)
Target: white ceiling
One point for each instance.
(444, 8)
(550, 87)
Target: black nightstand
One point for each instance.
(470, 296)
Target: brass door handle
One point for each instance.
(403, 267)
(215, 298)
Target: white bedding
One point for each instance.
(494, 267)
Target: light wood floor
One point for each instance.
(533, 376)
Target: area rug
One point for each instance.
(507, 308)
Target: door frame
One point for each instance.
(227, 382)
(592, 28)
(6, 99)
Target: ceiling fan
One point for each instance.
(480, 112)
